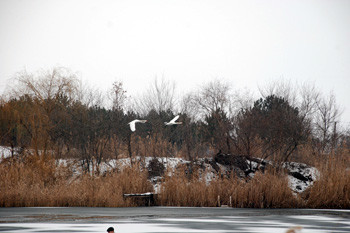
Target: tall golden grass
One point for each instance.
(40, 182)
(267, 190)
(332, 189)
(181, 190)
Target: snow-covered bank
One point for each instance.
(301, 176)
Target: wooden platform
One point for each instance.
(146, 198)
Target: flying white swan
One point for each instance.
(132, 124)
(173, 121)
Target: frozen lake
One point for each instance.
(171, 219)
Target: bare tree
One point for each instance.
(189, 107)
(118, 95)
(213, 96)
(242, 99)
(46, 85)
(89, 96)
(309, 97)
(43, 94)
(282, 88)
(214, 104)
(327, 115)
(160, 96)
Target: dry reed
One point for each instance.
(332, 189)
(268, 190)
(39, 182)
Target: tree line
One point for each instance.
(52, 114)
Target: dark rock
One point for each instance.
(247, 172)
(298, 176)
(214, 165)
(232, 160)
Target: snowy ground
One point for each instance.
(171, 219)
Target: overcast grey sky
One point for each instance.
(246, 42)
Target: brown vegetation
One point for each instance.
(38, 181)
(332, 189)
(50, 116)
(268, 190)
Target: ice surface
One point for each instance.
(238, 224)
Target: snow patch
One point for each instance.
(301, 176)
(5, 152)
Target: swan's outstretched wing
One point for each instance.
(132, 126)
(174, 119)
